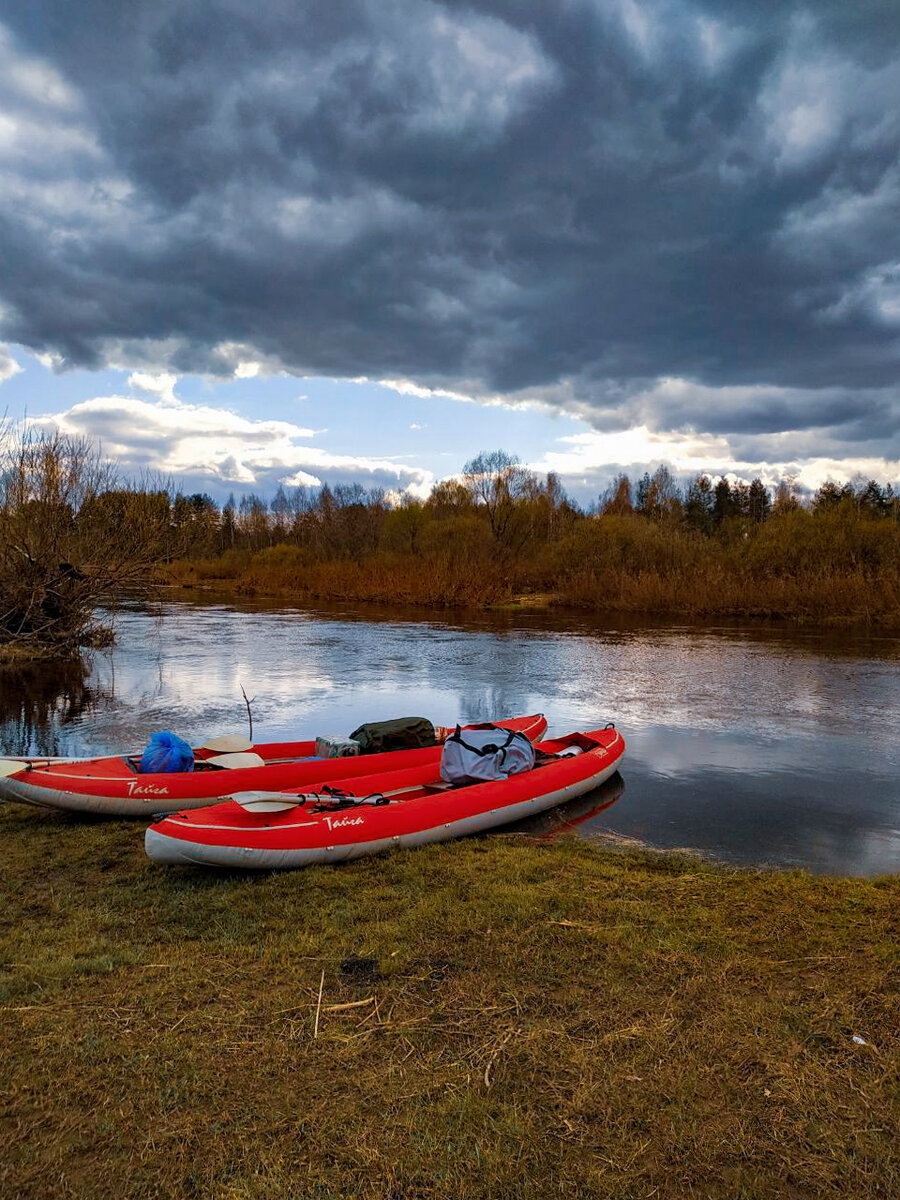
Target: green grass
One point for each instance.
(537, 1020)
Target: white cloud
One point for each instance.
(8, 365)
(301, 479)
(50, 360)
(594, 451)
(25, 137)
(636, 19)
(551, 400)
(161, 385)
(818, 105)
(217, 447)
(740, 432)
(406, 387)
(247, 370)
(802, 109)
(43, 119)
(597, 457)
(717, 42)
(240, 360)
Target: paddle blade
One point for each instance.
(262, 802)
(227, 743)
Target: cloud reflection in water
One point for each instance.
(755, 745)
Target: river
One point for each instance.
(757, 746)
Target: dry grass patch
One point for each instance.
(497, 1018)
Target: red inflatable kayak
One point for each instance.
(114, 787)
(378, 812)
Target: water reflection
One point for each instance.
(581, 816)
(38, 702)
(757, 745)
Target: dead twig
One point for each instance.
(319, 1005)
(349, 1004)
(494, 1054)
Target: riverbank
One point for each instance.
(675, 577)
(489, 1018)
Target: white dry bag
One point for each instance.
(487, 752)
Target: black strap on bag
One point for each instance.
(490, 748)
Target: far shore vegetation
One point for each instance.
(73, 534)
(486, 1019)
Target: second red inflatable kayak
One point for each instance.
(268, 831)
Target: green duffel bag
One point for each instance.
(403, 733)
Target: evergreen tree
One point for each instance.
(723, 502)
(642, 493)
(740, 498)
(872, 500)
(829, 495)
(698, 509)
(759, 504)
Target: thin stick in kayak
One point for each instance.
(249, 713)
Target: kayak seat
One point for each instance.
(245, 758)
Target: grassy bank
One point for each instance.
(791, 570)
(498, 1018)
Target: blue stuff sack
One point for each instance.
(166, 754)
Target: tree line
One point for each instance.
(513, 505)
(74, 534)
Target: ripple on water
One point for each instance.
(758, 745)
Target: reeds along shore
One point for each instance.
(707, 551)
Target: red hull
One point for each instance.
(112, 787)
(419, 810)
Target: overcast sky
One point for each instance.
(365, 239)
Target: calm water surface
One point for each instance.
(756, 746)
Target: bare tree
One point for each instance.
(71, 535)
(498, 482)
(616, 500)
(787, 496)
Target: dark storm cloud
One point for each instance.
(574, 200)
